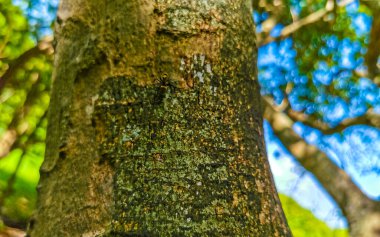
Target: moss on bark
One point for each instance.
(161, 99)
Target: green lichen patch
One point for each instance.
(183, 160)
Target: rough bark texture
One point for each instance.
(155, 124)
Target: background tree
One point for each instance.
(308, 39)
(326, 95)
(24, 87)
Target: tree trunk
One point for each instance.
(155, 124)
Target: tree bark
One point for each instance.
(155, 124)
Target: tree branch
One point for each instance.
(370, 118)
(313, 17)
(9, 188)
(335, 180)
(43, 47)
(12, 232)
(9, 138)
